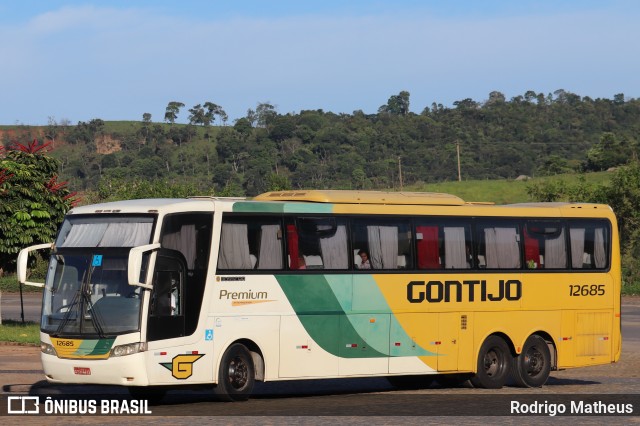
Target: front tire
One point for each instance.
(494, 361)
(236, 376)
(531, 368)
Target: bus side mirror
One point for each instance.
(135, 264)
(23, 258)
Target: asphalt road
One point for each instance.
(10, 308)
(373, 399)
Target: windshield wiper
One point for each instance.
(94, 316)
(82, 298)
(67, 315)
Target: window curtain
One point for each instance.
(555, 252)
(531, 249)
(127, 234)
(183, 241)
(502, 248)
(455, 254)
(599, 250)
(234, 247)
(270, 256)
(85, 235)
(334, 249)
(292, 247)
(383, 247)
(427, 247)
(577, 247)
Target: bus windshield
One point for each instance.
(87, 291)
(89, 294)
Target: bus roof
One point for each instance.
(363, 197)
(561, 205)
(150, 205)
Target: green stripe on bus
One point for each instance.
(276, 207)
(95, 347)
(323, 304)
(322, 316)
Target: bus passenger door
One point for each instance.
(165, 323)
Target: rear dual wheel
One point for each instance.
(531, 368)
(494, 361)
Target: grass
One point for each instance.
(504, 191)
(632, 289)
(9, 284)
(17, 332)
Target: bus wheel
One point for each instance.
(531, 368)
(236, 376)
(410, 382)
(493, 364)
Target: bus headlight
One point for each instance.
(130, 349)
(47, 349)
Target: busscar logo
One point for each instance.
(230, 279)
(181, 366)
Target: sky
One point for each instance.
(116, 60)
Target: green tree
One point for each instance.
(397, 104)
(214, 110)
(32, 201)
(172, 111)
(197, 116)
(265, 114)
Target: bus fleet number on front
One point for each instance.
(586, 290)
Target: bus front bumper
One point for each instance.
(127, 370)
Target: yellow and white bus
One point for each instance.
(157, 293)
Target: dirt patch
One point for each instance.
(106, 144)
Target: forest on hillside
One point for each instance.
(532, 134)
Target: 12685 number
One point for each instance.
(586, 290)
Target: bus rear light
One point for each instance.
(352, 345)
(397, 343)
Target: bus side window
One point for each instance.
(387, 243)
(445, 244)
(499, 244)
(545, 245)
(248, 243)
(317, 243)
(589, 243)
